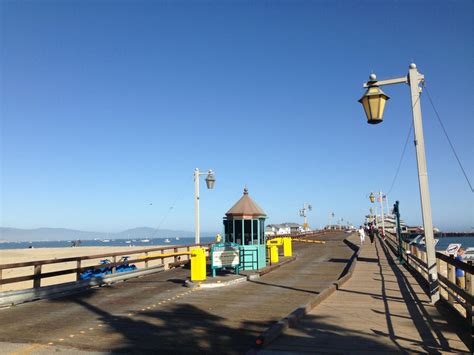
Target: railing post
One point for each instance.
(37, 276)
(175, 250)
(417, 254)
(78, 272)
(163, 259)
(114, 268)
(470, 290)
(438, 268)
(146, 260)
(451, 277)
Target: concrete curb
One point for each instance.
(266, 270)
(191, 284)
(293, 318)
(11, 298)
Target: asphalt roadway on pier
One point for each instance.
(158, 314)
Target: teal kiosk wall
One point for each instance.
(244, 224)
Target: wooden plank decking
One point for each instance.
(381, 309)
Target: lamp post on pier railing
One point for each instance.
(374, 104)
(380, 196)
(306, 207)
(210, 181)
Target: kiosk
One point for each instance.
(244, 225)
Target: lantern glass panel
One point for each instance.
(383, 101)
(365, 102)
(374, 107)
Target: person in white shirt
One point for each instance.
(361, 234)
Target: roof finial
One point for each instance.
(246, 191)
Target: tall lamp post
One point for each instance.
(374, 104)
(210, 181)
(331, 216)
(380, 199)
(306, 207)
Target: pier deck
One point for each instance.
(157, 314)
(381, 309)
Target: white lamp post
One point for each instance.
(210, 181)
(374, 103)
(306, 207)
(380, 199)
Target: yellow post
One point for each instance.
(273, 254)
(198, 264)
(287, 249)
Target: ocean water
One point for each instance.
(137, 243)
(443, 243)
(466, 242)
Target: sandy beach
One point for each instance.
(9, 256)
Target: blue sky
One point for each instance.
(108, 106)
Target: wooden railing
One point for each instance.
(33, 273)
(36, 273)
(461, 299)
(306, 234)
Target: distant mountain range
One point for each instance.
(52, 234)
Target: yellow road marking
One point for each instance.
(28, 349)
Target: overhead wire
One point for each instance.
(403, 152)
(447, 137)
(401, 159)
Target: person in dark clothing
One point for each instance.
(371, 233)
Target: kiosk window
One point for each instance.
(238, 231)
(247, 232)
(255, 232)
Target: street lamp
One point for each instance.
(306, 207)
(380, 197)
(374, 104)
(210, 181)
(331, 216)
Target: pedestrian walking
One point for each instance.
(361, 235)
(371, 233)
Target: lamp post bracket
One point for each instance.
(400, 80)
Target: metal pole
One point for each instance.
(381, 212)
(196, 207)
(396, 211)
(414, 79)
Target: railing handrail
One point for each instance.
(456, 263)
(463, 297)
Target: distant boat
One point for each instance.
(145, 240)
(105, 241)
(177, 238)
(167, 240)
(128, 241)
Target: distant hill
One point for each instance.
(51, 234)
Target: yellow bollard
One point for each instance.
(273, 254)
(198, 264)
(287, 248)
